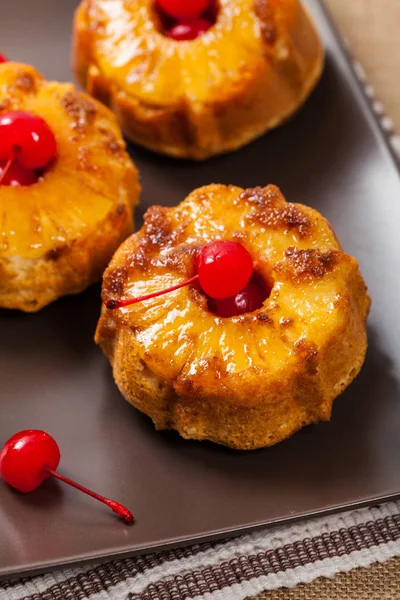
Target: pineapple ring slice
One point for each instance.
(247, 74)
(57, 236)
(246, 381)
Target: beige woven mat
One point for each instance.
(379, 582)
(371, 28)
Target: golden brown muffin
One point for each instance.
(58, 235)
(194, 99)
(246, 381)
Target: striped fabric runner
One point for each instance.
(242, 567)
(232, 570)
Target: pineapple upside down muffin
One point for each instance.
(67, 189)
(264, 326)
(240, 69)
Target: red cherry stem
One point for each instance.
(120, 510)
(113, 304)
(7, 167)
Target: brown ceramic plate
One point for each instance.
(332, 156)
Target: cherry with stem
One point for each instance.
(130, 301)
(7, 167)
(224, 268)
(118, 508)
(31, 456)
(27, 145)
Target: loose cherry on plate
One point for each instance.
(183, 10)
(224, 268)
(188, 31)
(30, 456)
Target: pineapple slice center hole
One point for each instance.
(249, 300)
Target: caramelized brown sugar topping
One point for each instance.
(292, 246)
(87, 181)
(162, 72)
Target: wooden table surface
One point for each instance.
(372, 30)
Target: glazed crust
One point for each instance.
(247, 381)
(250, 72)
(58, 235)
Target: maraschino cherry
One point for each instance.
(188, 31)
(26, 140)
(183, 10)
(29, 457)
(251, 298)
(3, 58)
(191, 15)
(16, 175)
(224, 268)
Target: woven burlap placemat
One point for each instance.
(378, 582)
(271, 559)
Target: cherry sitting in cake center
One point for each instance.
(226, 275)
